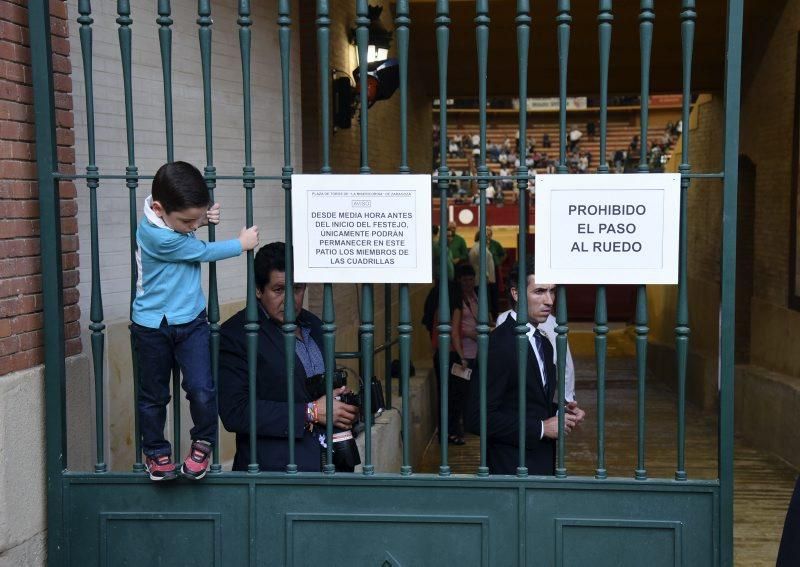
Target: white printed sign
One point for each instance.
(362, 228)
(607, 229)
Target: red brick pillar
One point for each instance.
(21, 338)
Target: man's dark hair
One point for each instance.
(270, 257)
(513, 277)
(180, 185)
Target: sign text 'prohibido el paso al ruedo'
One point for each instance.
(607, 229)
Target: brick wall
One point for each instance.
(21, 335)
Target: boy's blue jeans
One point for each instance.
(156, 349)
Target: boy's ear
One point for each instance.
(158, 208)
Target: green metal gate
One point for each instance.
(256, 518)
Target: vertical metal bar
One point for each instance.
(733, 78)
(442, 22)
(96, 307)
(289, 327)
(401, 25)
(132, 182)
(482, 40)
(362, 42)
(387, 337)
(404, 328)
(604, 20)
(52, 278)
(251, 310)
(329, 344)
(521, 329)
(367, 330)
(646, 17)
(688, 16)
(323, 53)
(564, 20)
(210, 173)
(164, 21)
(165, 44)
(328, 315)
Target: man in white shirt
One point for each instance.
(548, 329)
(540, 429)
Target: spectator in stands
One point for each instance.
(574, 138)
(498, 257)
(590, 129)
(619, 161)
(435, 256)
(457, 245)
(475, 261)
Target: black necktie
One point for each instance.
(538, 340)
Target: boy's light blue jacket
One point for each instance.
(169, 271)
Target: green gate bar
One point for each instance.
(210, 173)
(387, 342)
(482, 41)
(521, 329)
(442, 41)
(604, 20)
(404, 328)
(733, 79)
(564, 19)
(323, 23)
(367, 327)
(688, 16)
(646, 17)
(251, 310)
(132, 182)
(96, 307)
(289, 326)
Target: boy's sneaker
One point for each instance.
(160, 468)
(196, 464)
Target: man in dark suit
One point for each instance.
(502, 389)
(272, 406)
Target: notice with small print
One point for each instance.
(607, 229)
(361, 228)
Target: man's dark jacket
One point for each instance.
(502, 409)
(272, 408)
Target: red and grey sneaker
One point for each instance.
(160, 468)
(196, 464)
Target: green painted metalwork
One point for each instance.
(52, 275)
(600, 347)
(329, 346)
(251, 310)
(688, 16)
(96, 306)
(362, 42)
(387, 338)
(366, 336)
(210, 173)
(164, 21)
(482, 40)
(564, 20)
(323, 53)
(289, 326)
(733, 79)
(641, 376)
(404, 329)
(646, 17)
(132, 182)
(523, 21)
(604, 20)
(442, 43)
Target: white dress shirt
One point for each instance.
(548, 329)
